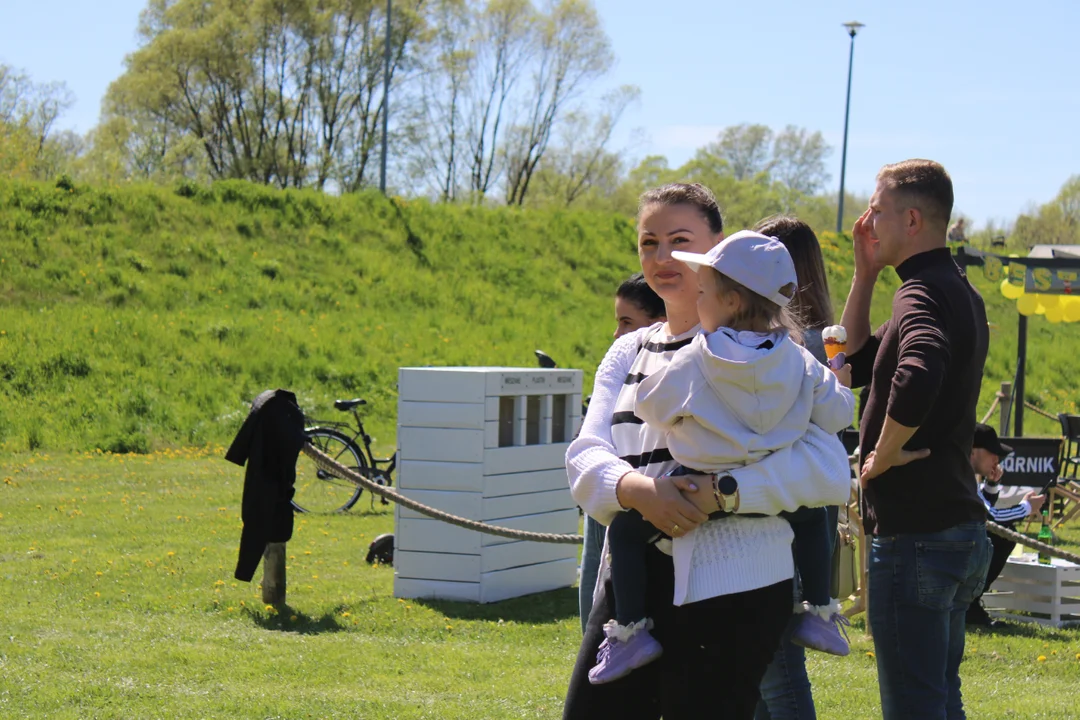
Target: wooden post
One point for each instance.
(1021, 368)
(1006, 408)
(273, 582)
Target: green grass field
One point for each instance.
(116, 573)
(142, 320)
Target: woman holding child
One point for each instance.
(719, 632)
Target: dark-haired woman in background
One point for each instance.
(785, 689)
(636, 306)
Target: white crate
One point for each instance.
(475, 506)
(494, 586)
(485, 444)
(466, 384)
(1049, 594)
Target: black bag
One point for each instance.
(381, 550)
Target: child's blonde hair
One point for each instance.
(758, 313)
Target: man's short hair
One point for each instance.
(922, 184)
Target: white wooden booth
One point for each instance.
(1048, 594)
(485, 444)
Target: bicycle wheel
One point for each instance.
(318, 491)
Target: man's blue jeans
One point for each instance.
(920, 589)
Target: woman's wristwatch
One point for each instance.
(726, 492)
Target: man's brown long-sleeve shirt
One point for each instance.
(924, 367)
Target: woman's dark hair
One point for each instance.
(634, 289)
(811, 304)
(693, 194)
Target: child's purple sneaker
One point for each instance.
(820, 629)
(626, 648)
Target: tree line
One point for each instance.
(490, 101)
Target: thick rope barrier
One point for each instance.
(1040, 411)
(332, 466)
(1034, 544)
(338, 470)
(993, 407)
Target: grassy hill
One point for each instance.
(145, 317)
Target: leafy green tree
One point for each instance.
(500, 80)
(29, 147)
(1054, 223)
(283, 92)
(798, 160)
(581, 165)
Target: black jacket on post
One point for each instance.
(269, 442)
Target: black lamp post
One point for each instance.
(386, 96)
(853, 27)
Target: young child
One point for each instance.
(740, 391)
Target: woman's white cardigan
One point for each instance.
(733, 554)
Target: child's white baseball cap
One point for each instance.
(758, 262)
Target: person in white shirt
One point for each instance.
(741, 390)
(718, 643)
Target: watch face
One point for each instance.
(727, 485)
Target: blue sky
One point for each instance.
(987, 88)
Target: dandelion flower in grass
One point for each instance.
(1041, 658)
(345, 614)
(293, 618)
(870, 654)
(97, 594)
(269, 608)
(170, 553)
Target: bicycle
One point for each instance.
(318, 491)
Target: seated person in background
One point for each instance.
(987, 452)
(956, 232)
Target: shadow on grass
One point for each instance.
(1019, 629)
(362, 509)
(286, 619)
(538, 608)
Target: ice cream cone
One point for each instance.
(834, 338)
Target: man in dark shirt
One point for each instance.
(987, 452)
(924, 366)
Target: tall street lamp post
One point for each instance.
(853, 27)
(386, 96)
